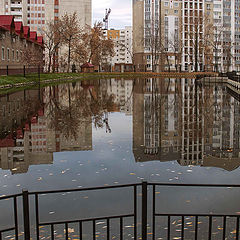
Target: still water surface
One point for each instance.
(117, 131)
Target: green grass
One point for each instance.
(12, 82)
(31, 78)
(14, 79)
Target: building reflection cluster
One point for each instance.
(173, 120)
(180, 119)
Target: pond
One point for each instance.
(115, 131)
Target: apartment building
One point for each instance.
(173, 35)
(227, 35)
(16, 8)
(122, 39)
(197, 31)
(156, 34)
(36, 13)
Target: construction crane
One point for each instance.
(105, 20)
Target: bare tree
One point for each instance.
(32, 58)
(128, 49)
(199, 23)
(97, 46)
(80, 55)
(214, 38)
(52, 41)
(175, 45)
(69, 32)
(153, 41)
(227, 53)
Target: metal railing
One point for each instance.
(93, 220)
(145, 187)
(20, 70)
(196, 216)
(15, 213)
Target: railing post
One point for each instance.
(24, 71)
(26, 215)
(144, 211)
(7, 70)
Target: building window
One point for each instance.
(13, 55)
(3, 53)
(8, 54)
(17, 55)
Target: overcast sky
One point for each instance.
(120, 16)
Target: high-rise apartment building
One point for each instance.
(191, 35)
(36, 13)
(17, 8)
(197, 31)
(227, 32)
(156, 34)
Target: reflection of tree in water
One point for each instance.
(81, 105)
(99, 106)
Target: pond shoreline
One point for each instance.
(17, 81)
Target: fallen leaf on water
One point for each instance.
(70, 230)
(100, 223)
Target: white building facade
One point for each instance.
(17, 8)
(37, 13)
(122, 45)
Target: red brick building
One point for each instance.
(19, 47)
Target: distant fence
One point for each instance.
(21, 70)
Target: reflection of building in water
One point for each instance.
(16, 107)
(15, 140)
(122, 91)
(180, 120)
(35, 139)
(156, 120)
(193, 138)
(224, 149)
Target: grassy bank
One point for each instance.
(19, 81)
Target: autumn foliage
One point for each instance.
(77, 45)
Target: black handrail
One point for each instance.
(85, 189)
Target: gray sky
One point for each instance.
(120, 15)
